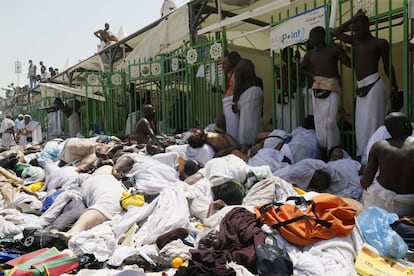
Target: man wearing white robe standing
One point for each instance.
(7, 132)
(371, 103)
(320, 64)
(229, 62)
(30, 131)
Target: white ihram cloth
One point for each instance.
(380, 134)
(370, 111)
(304, 144)
(36, 130)
(345, 178)
(326, 127)
(74, 124)
(377, 195)
(103, 193)
(301, 173)
(250, 105)
(7, 139)
(202, 155)
(270, 157)
(152, 176)
(54, 123)
(272, 142)
(230, 167)
(166, 212)
(232, 119)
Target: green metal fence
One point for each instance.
(106, 116)
(184, 86)
(292, 99)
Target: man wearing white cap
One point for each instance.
(30, 131)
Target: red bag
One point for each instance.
(45, 261)
(323, 217)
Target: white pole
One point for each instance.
(334, 11)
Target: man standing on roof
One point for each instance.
(371, 102)
(106, 36)
(167, 7)
(31, 74)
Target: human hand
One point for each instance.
(235, 108)
(218, 204)
(73, 195)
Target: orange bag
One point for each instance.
(321, 218)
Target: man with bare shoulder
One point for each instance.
(371, 102)
(222, 143)
(144, 129)
(106, 36)
(392, 188)
(320, 64)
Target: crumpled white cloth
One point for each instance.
(166, 212)
(304, 144)
(271, 142)
(177, 248)
(123, 252)
(301, 173)
(152, 176)
(230, 167)
(345, 178)
(332, 257)
(57, 206)
(270, 157)
(56, 177)
(202, 155)
(8, 228)
(329, 257)
(239, 269)
(99, 241)
(171, 212)
(18, 219)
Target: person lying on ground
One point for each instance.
(222, 143)
(101, 193)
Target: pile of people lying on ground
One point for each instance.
(103, 204)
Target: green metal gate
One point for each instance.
(184, 86)
(389, 20)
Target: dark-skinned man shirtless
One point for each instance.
(320, 64)
(222, 143)
(392, 189)
(371, 102)
(144, 129)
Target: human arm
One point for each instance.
(340, 31)
(306, 67)
(215, 206)
(371, 167)
(343, 57)
(236, 92)
(98, 34)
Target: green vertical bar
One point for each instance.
(406, 57)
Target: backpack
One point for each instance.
(272, 260)
(306, 221)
